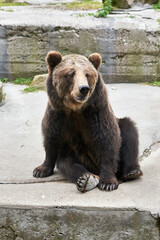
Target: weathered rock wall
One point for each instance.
(131, 3)
(4, 61)
(130, 52)
(78, 224)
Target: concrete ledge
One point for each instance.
(76, 223)
(129, 42)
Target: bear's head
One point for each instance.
(73, 77)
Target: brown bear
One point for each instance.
(90, 146)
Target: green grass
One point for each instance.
(4, 80)
(83, 5)
(9, 10)
(23, 81)
(154, 83)
(157, 5)
(30, 89)
(26, 81)
(6, 4)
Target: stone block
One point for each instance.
(129, 3)
(72, 223)
(123, 3)
(39, 81)
(150, 1)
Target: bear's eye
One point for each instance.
(69, 74)
(72, 74)
(87, 75)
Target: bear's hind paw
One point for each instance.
(87, 182)
(133, 174)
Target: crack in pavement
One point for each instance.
(153, 147)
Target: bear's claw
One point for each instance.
(108, 185)
(87, 182)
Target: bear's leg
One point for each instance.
(77, 173)
(129, 167)
(46, 169)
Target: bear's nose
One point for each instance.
(84, 89)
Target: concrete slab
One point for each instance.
(141, 194)
(20, 128)
(50, 16)
(21, 141)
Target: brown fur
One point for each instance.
(81, 133)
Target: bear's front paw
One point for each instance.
(42, 171)
(108, 185)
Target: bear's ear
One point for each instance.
(53, 59)
(96, 60)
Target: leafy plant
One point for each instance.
(154, 83)
(4, 80)
(107, 8)
(23, 81)
(156, 6)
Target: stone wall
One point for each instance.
(77, 224)
(4, 61)
(130, 50)
(130, 3)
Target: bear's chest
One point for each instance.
(76, 132)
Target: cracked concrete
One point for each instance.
(7, 233)
(149, 150)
